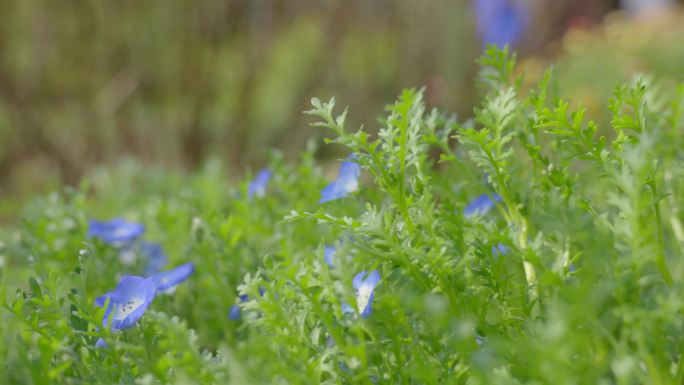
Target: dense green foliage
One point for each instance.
(588, 291)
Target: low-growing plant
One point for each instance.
(525, 245)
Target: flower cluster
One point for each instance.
(133, 294)
(346, 183)
(131, 297)
(124, 235)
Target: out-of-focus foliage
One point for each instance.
(573, 275)
(175, 81)
(593, 61)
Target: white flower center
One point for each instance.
(121, 232)
(127, 257)
(363, 296)
(170, 290)
(125, 309)
(351, 185)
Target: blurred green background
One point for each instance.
(175, 83)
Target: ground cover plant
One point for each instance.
(525, 245)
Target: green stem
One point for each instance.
(661, 262)
(521, 222)
(402, 174)
(400, 199)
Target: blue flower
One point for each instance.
(347, 182)
(500, 249)
(128, 302)
(258, 185)
(156, 258)
(480, 205)
(166, 281)
(234, 313)
(117, 232)
(329, 255)
(500, 22)
(364, 284)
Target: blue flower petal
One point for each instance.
(116, 232)
(156, 258)
(364, 284)
(346, 309)
(500, 22)
(329, 255)
(258, 185)
(480, 205)
(347, 182)
(348, 176)
(357, 281)
(329, 193)
(234, 313)
(365, 312)
(500, 249)
(372, 279)
(128, 302)
(167, 280)
(100, 301)
(101, 343)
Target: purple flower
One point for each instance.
(480, 205)
(156, 258)
(258, 185)
(128, 302)
(347, 182)
(166, 281)
(364, 284)
(117, 232)
(500, 22)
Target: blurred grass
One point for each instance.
(175, 82)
